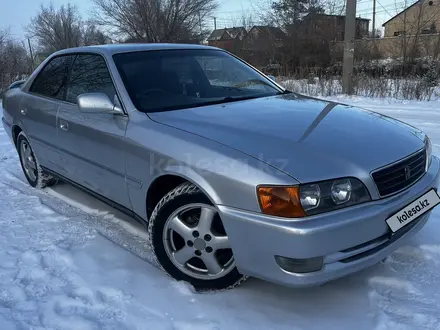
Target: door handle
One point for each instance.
(64, 125)
(23, 112)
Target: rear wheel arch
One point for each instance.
(16, 130)
(34, 173)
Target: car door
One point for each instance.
(39, 107)
(92, 144)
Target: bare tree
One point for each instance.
(14, 61)
(60, 28)
(288, 13)
(4, 34)
(154, 20)
(377, 33)
(56, 29)
(334, 7)
(309, 32)
(93, 36)
(246, 19)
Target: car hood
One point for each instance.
(306, 138)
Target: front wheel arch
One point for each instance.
(173, 177)
(159, 188)
(187, 194)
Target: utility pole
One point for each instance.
(200, 25)
(350, 27)
(374, 18)
(32, 54)
(405, 50)
(215, 23)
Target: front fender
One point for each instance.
(227, 176)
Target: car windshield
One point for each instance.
(177, 79)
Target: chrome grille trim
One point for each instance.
(395, 173)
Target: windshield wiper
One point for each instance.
(226, 99)
(240, 98)
(229, 99)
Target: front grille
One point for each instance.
(401, 175)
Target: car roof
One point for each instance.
(112, 49)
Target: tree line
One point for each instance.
(56, 28)
(307, 45)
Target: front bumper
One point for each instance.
(349, 239)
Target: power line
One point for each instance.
(398, 7)
(388, 9)
(385, 9)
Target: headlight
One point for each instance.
(310, 199)
(428, 148)
(341, 191)
(335, 194)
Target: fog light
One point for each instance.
(300, 265)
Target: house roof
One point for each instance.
(272, 30)
(216, 34)
(230, 32)
(339, 16)
(415, 3)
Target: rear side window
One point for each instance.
(52, 80)
(89, 74)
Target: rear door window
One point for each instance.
(52, 80)
(89, 74)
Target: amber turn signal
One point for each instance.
(280, 201)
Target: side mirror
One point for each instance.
(16, 84)
(97, 103)
(272, 78)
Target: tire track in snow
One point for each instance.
(47, 272)
(125, 232)
(42, 269)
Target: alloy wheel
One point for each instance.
(28, 160)
(196, 242)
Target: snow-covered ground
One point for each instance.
(390, 88)
(69, 262)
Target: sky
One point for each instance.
(15, 14)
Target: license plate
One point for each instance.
(412, 211)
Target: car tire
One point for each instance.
(32, 170)
(184, 243)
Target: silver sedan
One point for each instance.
(231, 174)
